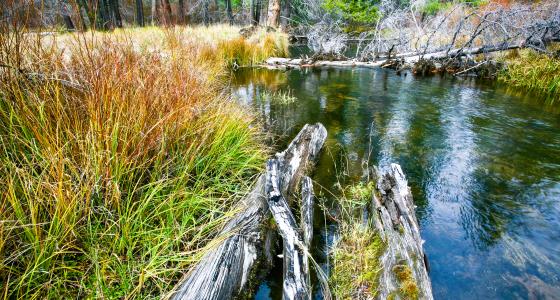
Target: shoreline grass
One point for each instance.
(532, 71)
(120, 157)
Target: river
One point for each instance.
(483, 163)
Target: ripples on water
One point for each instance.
(483, 163)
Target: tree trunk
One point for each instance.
(273, 16)
(287, 11)
(154, 12)
(229, 12)
(206, 12)
(84, 8)
(116, 13)
(255, 12)
(139, 13)
(103, 21)
(181, 12)
(395, 220)
(167, 16)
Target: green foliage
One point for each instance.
(432, 7)
(354, 11)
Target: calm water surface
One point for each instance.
(483, 164)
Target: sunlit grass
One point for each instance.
(119, 159)
(533, 71)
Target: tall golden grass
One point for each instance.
(120, 157)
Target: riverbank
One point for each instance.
(533, 71)
(120, 155)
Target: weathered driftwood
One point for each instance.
(396, 223)
(295, 283)
(225, 270)
(306, 220)
(278, 171)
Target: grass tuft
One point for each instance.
(533, 71)
(356, 254)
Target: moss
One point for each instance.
(408, 288)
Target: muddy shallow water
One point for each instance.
(483, 163)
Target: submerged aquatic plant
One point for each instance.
(281, 97)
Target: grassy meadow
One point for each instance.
(120, 156)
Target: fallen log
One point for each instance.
(295, 259)
(306, 221)
(408, 58)
(395, 221)
(279, 170)
(224, 272)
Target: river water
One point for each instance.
(483, 163)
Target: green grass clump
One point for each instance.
(356, 254)
(119, 161)
(356, 265)
(533, 71)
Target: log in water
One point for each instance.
(225, 271)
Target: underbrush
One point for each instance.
(119, 159)
(533, 71)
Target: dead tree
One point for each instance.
(396, 222)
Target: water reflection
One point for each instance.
(484, 166)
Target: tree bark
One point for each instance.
(181, 12)
(273, 16)
(224, 271)
(154, 12)
(229, 12)
(116, 13)
(139, 13)
(295, 258)
(167, 16)
(395, 221)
